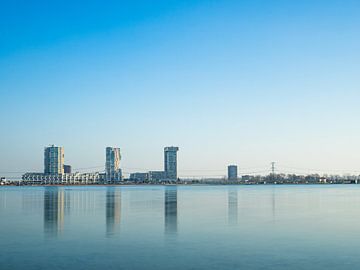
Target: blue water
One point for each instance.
(184, 227)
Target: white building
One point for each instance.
(63, 179)
(2, 180)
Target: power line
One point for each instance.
(273, 168)
(319, 170)
(217, 172)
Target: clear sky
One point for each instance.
(244, 82)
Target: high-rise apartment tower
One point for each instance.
(232, 172)
(170, 162)
(54, 160)
(112, 165)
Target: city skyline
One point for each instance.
(245, 82)
(55, 171)
(54, 163)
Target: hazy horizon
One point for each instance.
(230, 82)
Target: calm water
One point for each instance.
(194, 227)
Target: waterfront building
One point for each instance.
(2, 180)
(67, 169)
(141, 177)
(54, 160)
(156, 175)
(170, 162)
(63, 179)
(112, 165)
(232, 172)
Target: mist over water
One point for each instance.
(179, 227)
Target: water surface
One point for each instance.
(184, 227)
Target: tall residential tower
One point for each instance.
(112, 165)
(170, 162)
(54, 160)
(232, 172)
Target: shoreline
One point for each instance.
(176, 184)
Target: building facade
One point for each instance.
(170, 162)
(67, 169)
(141, 177)
(54, 160)
(2, 180)
(232, 172)
(112, 164)
(63, 179)
(156, 175)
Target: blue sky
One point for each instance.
(245, 82)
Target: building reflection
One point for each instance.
(273, 204)
(113, 210)
(232, 206)
(32, 200)
(3, 199)
(56, 204)
(170, 206)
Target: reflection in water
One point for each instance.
(32, 200)
(273, 204)
(55, 205)
(170, 210)
(3, 200)
(113, 210)
(315, 227)
(232, 206)
(83, 202)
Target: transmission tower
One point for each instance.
(273, 171)
(273, 168)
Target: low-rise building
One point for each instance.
(157, 175)
(2, 180)
(67, 169)
(63, 179)
(141, 177)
